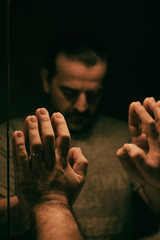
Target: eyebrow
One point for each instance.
(78, 90)
(69, 88)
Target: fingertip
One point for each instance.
(132, 104)
(123, 152)
(76, 151)
(18, 134)
(132, 107)
(41, 111)
(79, 150)
(127, 147)
(153, 99)
(158, 102)
(119, 152)
(145, 101)
(138, 103)
(57, 116)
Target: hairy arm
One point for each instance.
(54, 220)
(49, 175)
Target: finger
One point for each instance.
(47, 136)
(15, 160)
(62, 137)
(148, 167)
(158, 102)
(127, 159)
(147, 164)
(146, 105)
(134, 121)
(20, 156)
(32, 130)
(34, 140)
(78, 162)
(148, 126)
(155, 109)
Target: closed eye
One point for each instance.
(69, 92)
(93, 94)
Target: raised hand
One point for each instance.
(141, 158)
(46, 169)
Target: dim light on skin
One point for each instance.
(75, 90)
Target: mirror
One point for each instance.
(129, 31)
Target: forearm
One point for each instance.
(151, 196)
(54, 220)
(19, 223)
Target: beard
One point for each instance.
(77, 121)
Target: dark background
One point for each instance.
(130, 28)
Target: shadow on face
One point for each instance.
(75, 90)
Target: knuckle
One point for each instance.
(20, 145)
(151, 123)
(66, 137)
(137, 157)
(45, 118)
(32, 126)
(83, 165)
(22, 155)
(36, 147)
(49, 137)
(65, 140)
(78, 149)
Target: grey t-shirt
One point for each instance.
(104, 206)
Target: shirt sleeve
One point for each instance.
(14, 125)
(3, 162)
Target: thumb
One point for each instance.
(78, 161)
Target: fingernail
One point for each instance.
(58, 115)
(19, 134)
(33, 119)
(138, 103)
(43, 111)
(152, 98)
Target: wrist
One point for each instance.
(51, 200)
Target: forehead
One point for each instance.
(74, 73)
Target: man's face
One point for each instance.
(75, 90)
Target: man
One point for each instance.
(73, 78)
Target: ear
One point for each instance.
(44, 76)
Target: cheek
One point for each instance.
(94, 104)
(59, 101)
(93, 108)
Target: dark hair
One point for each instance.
(85, 47)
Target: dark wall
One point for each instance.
(131, 33)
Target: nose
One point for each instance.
(81, 104)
